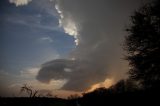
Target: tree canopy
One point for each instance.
(143, 45)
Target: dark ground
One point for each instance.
(87, 100)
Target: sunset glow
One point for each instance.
(106, 84)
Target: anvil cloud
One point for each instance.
(97, 26)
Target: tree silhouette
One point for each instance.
(143, 45)
(29, 90)
(123, 86)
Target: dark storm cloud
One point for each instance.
(78, 73)
(97, 26)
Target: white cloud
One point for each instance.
(20, 2)
(68, 25)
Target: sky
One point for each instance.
(62, 46)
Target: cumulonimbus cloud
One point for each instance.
(97, 26)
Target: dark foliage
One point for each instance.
(143, 45)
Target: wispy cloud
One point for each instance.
(35, 24)
(47, 39)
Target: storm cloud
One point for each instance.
(77, 73)
(98, 29)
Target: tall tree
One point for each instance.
(143, 45)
